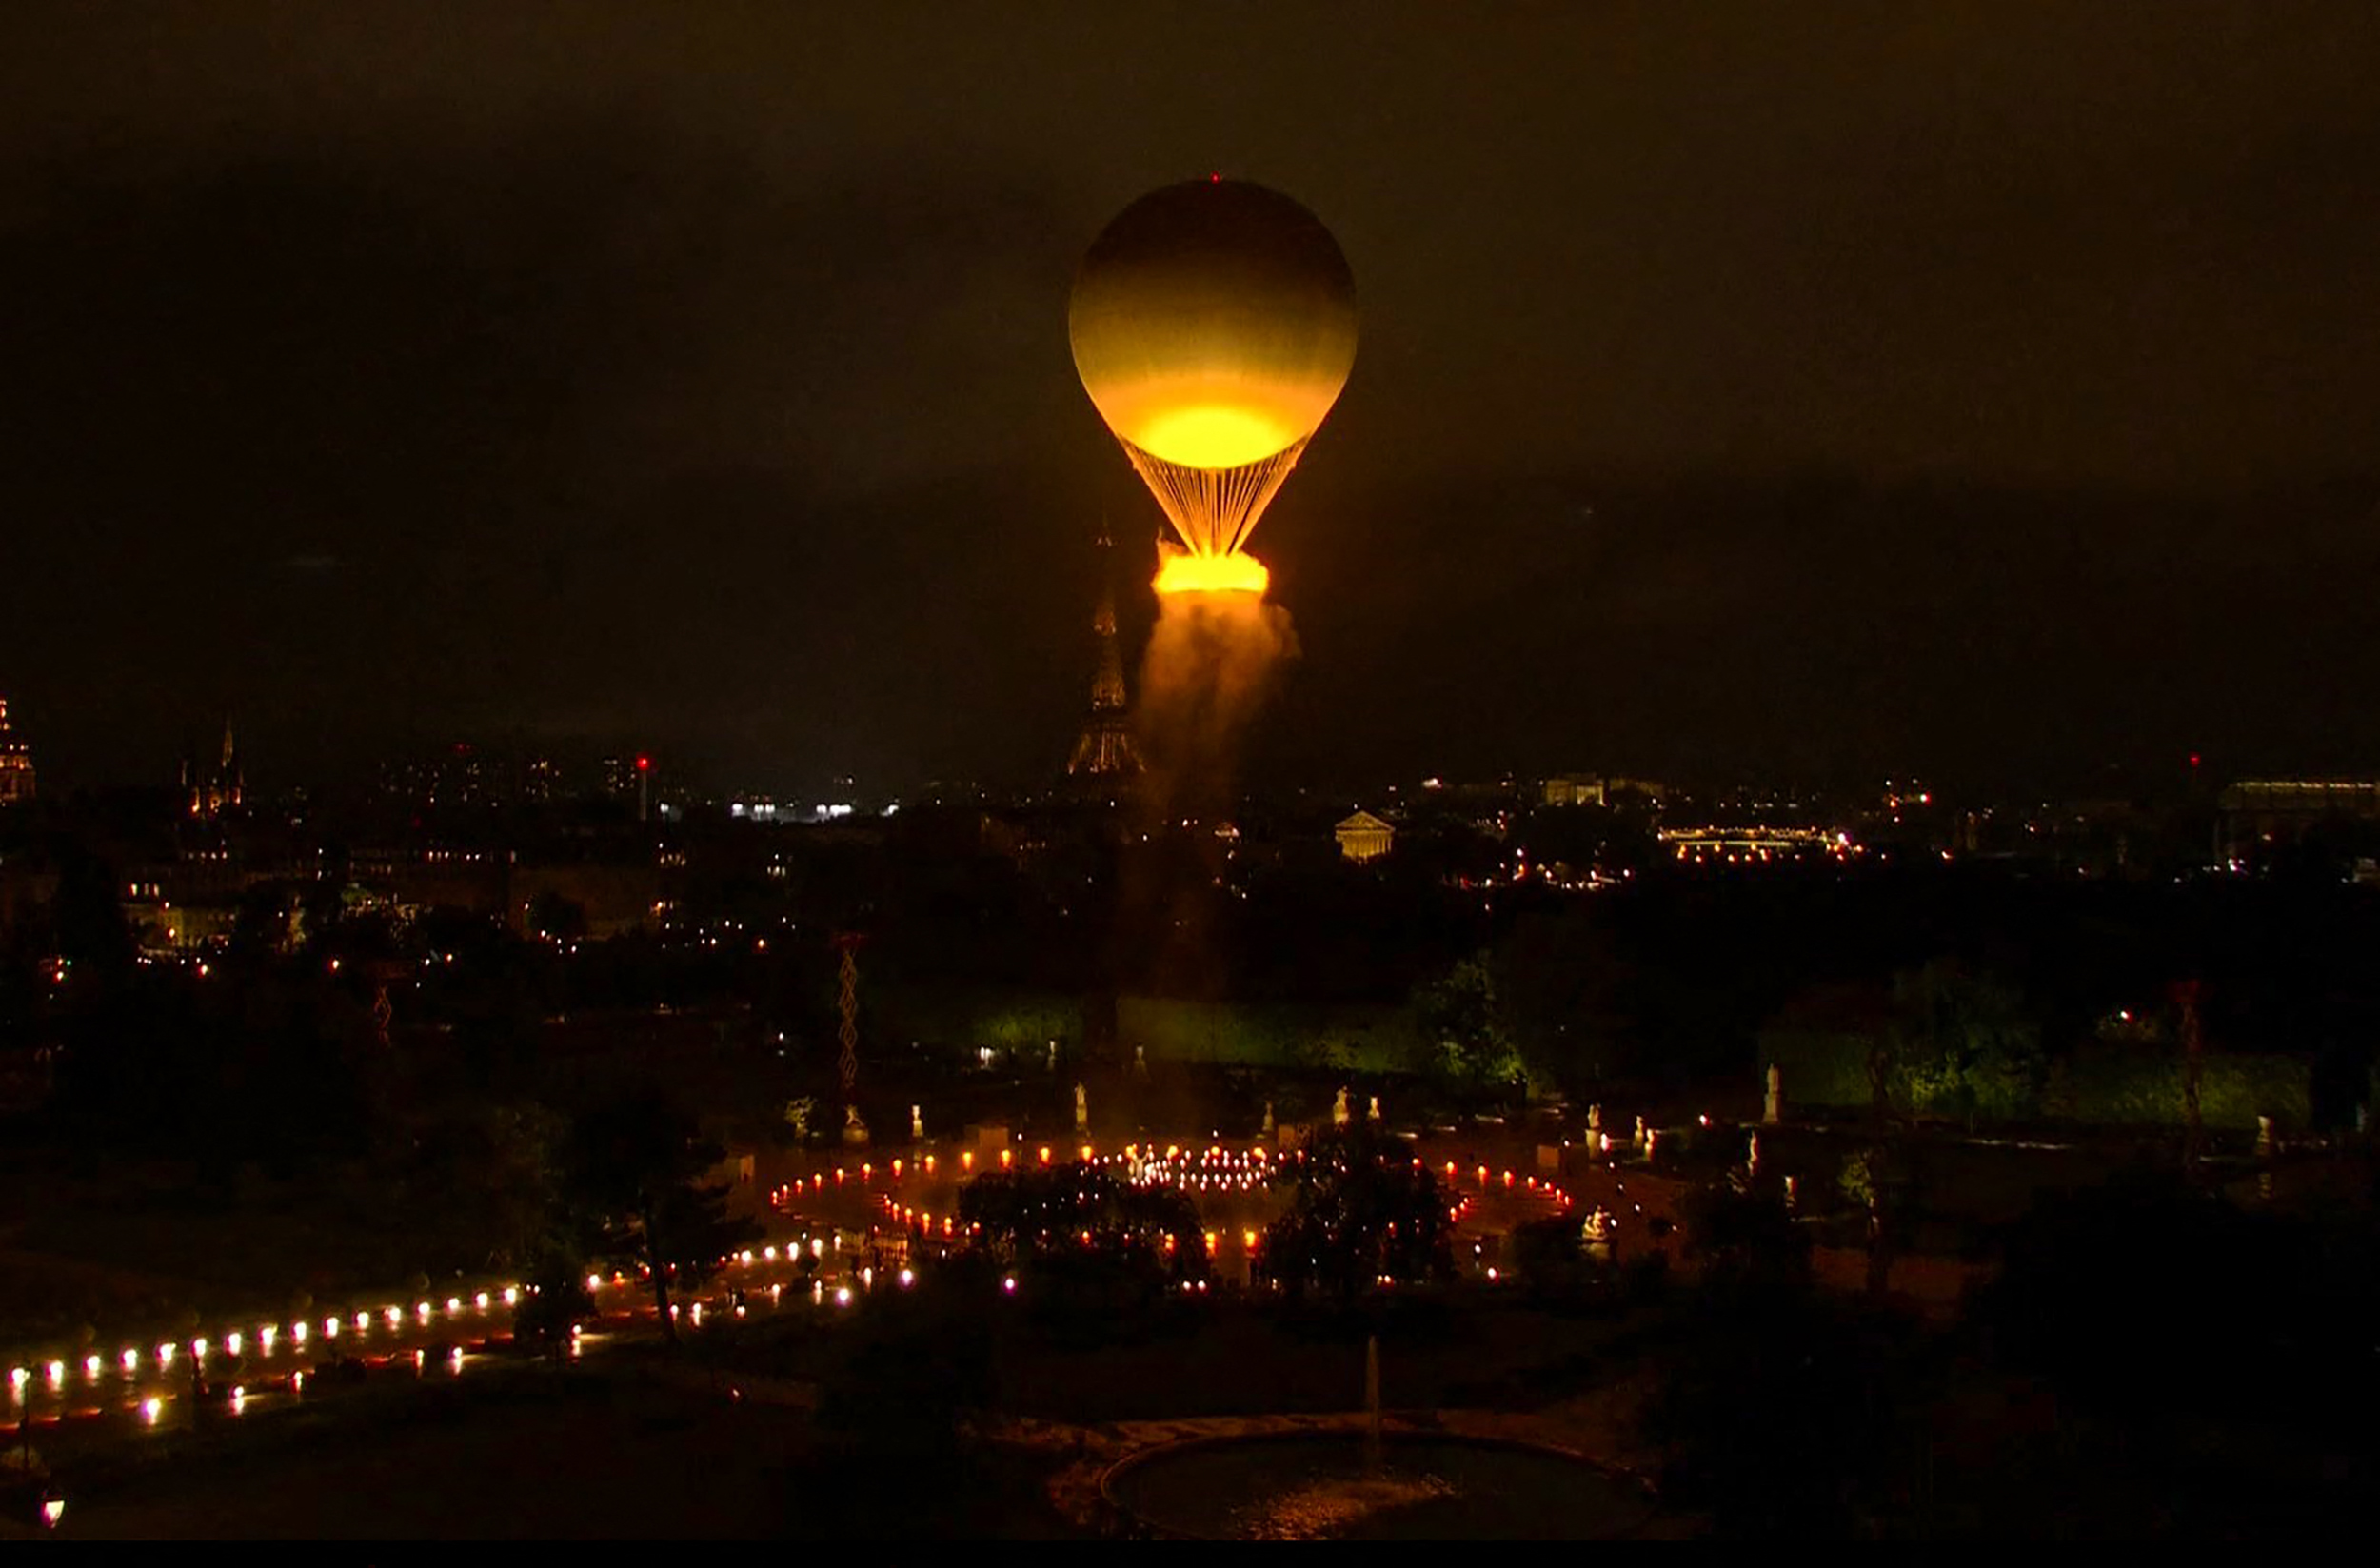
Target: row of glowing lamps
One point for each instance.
(268, 1337)
(235, 1343)
(1215, 1169)
(1217, 1165)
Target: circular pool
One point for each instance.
(1312, 1486)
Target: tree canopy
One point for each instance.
(1362, 1209)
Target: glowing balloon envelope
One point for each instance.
(1214, 325)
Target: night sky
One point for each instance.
(1990, 389)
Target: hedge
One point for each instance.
(2127, 1087)
(2099, 1085)
(958, 1019)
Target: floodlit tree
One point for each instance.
(1459, 1027)
(1958, 1042)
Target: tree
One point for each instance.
(635, 1176)
(1071, 1212)
(1778, 1413)
(1745, 1240)
(1958, 1042)
(1560, 985)
(1880, 1182)
(497, 1170)
(1459, 1027)
(1097, 1253)
(1791, 1417)
(558, 1301)
(1360, 1207)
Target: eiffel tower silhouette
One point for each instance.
(1104, 750)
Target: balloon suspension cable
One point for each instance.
(1213, 510)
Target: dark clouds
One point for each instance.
(1988, 387)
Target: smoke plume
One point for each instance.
(1211, 659)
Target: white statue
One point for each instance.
(1081, 1110)
(1374, 1114)
(1140, 1060)
(1053, 1055)
(1268, 1118)
(1594, 1123)
(1339, 1110)
(1773, 1106)
(1638, 1137)
(917, 1124)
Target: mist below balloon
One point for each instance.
(1212, 661)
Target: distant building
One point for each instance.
(541, 781)
(2264, 812)
(212, 788)
(1596, 789)
(1572, 789)
(1756, 845)
(1363, 837)
(597, 901)
(16, 764)
(2281, 800)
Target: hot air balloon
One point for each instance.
(1214, 324)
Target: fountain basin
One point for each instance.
(1315, 1485)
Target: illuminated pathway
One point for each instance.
(261, 1365)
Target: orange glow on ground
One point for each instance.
(1180, 572)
